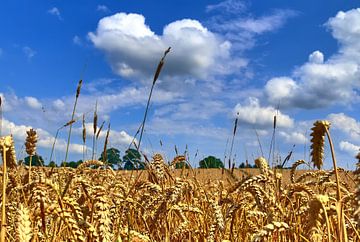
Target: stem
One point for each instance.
(53, 146)
(30, 169)
(156, 76)
(327, 222)
(69, 135)
(93, 148)
(72, 118)
(341, 224)
(3, 207)
(146, 111)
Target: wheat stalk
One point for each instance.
(72, 118)
(156, 76)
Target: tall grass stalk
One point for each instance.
(156, 76)
(233, 139)
(339, 207)
(84, 136)
(3, 207)
(94, 129)
(72, 118)
(0, 116)
(104, 157)
(56, 135)
(272, 143)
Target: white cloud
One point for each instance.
(29, 53)
(204, 110)
(45, 139)
(321, 83)
(279, 88)
(127, 97)
(116, 138)
(102, 8)
(316, 57)
(252, 113)
(350, 148)
(263, 24)
(58, 104)
(56, 12)
(346, 124)
(242, 31)
(293, 137)
(77, 40)
(168, 126)
(134, 50)
(228, 6)
(32, 102)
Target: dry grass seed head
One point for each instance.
(318, 140)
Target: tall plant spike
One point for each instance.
(95, 120)
(317, 142)
(83, 135)
(30, 145)
(72, 118)
(10, 154)
(156, 76)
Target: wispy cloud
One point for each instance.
(228, 6)
(242, 30)
(56, 12)
(29, 52)
(102, 8)
(77, 40)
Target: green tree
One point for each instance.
(52, 164)
(211, 162)
(72, 164)
(132, 160)
(112, 157)
(36, 160)
(181, 164)
(242, 165)
(79, 162)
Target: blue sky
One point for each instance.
(227, 57)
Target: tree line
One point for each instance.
(131, 160)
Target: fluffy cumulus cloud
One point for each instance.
(293, 137)
(350, 148)
(33, 103)
(116, 138)
(45, 139)
(346, 124)
(253, 114)
(133, 49)
(319, 82)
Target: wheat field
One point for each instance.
(96, 203)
